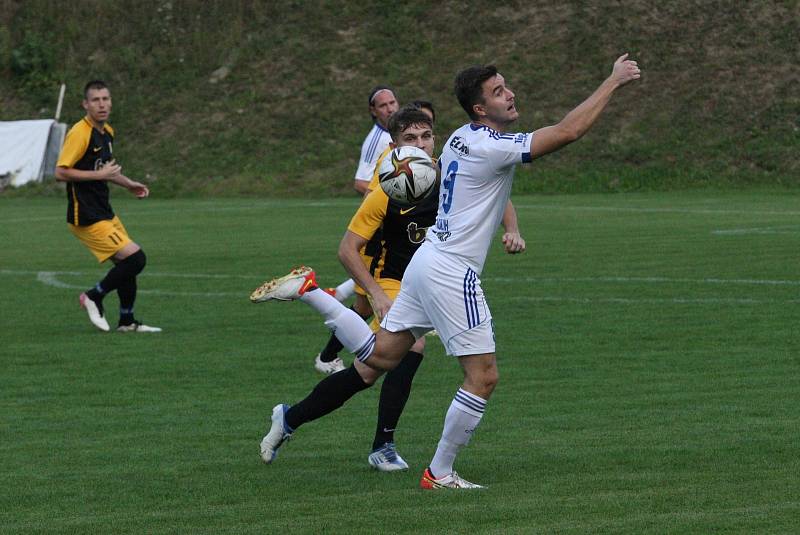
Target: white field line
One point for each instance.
(206, 208)
(660, 280)
(210, 207)
(761, 230)
(53, 279)
(656, 301)
(666, 210)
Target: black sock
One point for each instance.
(329, 394)
(332, 348)
(394, 394)
(127, 296)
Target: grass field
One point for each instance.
(647, 343)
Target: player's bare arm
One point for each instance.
(108, 172)
(137, 188)
(577, 122)
(512, 240)
(349, 255)
(361, 186)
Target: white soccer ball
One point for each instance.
(408, 175)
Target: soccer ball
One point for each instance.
(408, 175)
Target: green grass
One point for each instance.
(647, 347)
(291, 114)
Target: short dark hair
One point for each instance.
(94, 84)
(405, 117)
(377, 89)
(424, 105)
(468, 86)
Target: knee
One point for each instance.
(137, 261)
(483, 382)
(489, 380)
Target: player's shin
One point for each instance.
(329, 394)
(354, 334)
(462, 419)
(394, 395)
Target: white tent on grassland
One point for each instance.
(29, 150)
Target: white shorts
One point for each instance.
(439, 291)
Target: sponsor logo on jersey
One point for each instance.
(416, 234)
(404, 211)
(459, 146)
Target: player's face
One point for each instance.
(98, 105)
(498, 108)
(417, 135)
(383, 106)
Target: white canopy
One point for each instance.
(23, 147)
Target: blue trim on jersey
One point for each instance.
(494, 134)
(373, 144)
(463, 397)
(470, 299)
(526, 157)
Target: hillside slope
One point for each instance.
(269, 97)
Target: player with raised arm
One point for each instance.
(441, 286)
(87, 165)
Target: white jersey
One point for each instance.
(374, 144)
(477, 166)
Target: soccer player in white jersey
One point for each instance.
(382, 104)
(440, 287)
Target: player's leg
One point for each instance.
(374, 354)
(455, 304)
(133, 259)
(461, 420)
(104, 239)
(333, 391)
(328, 360)
(344, 291)
(395, 391)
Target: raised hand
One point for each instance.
(625, 70)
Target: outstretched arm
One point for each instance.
(512, 239)
(577, 122)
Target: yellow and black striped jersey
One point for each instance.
(403, 230)
(87, 149)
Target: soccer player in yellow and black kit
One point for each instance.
(87, 164)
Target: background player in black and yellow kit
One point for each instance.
(87, 164)
(402, 232)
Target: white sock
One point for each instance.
(345, 290)
(352, 331)
(462, 418)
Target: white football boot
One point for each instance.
(330, 367)
(286, 288)
(386, 459)
(276, 435)
(450, 481)
(95, 316)
(137, 327)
